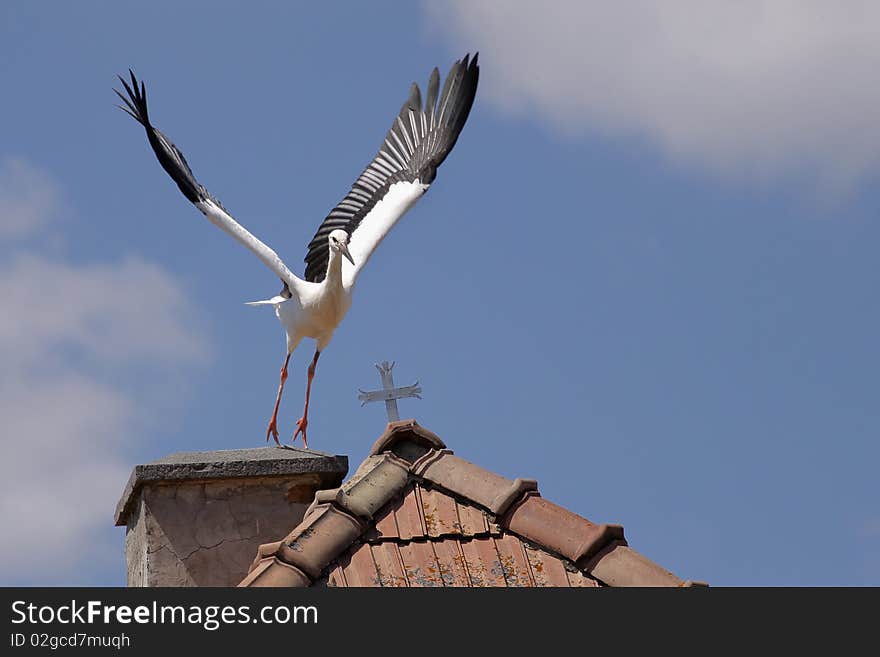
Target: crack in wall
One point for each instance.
(206, 534)
(245, 539)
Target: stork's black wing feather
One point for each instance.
(170, 157)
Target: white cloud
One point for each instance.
(28, 199)
(119, 314)
(64, 468)
(76, 343)
(754, 89)
(870, 528)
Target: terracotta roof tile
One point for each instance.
(619, 565)
(407, 439)
(420, 564)
(451, 561)
(423, 462)
(389, 566)
(360, 569)
(453, 571)
(385, 524)
(318, 539)
(335, 577)
(559, 529)
(426, 512)
(505, 498)
(577, 579)
(263, 551)
(487, 489)
(271, 572)
(326, 496)
(373, 486)
(514, 563)
(473, 563)
(439, 512)
(547, 570)
(408, 514)
(472, 520)
(484, 562)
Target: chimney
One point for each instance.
(197, 518)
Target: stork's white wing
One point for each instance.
(403, 169)
(174, 163)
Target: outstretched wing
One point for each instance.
(174, 163)
(403, 169)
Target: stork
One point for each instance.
(420, 138)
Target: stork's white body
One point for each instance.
(317, 310)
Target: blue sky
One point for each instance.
(646, 276)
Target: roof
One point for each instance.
(415, 514)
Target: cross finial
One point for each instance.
(389, 394)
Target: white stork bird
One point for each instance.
(419, 140)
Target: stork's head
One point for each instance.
(339, 243)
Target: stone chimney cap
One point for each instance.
(229, 463)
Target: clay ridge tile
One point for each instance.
(263, 551)
(377, 481)
(517, 489)
(271, 572)
(318, 539)
(489, 490)
(619, 565)
(407, 439)
(373, 486)
(558, 529)
(325, 496)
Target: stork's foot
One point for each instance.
(301, 425)
(273, 431)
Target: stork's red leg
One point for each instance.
(273, 423)
(303, 422)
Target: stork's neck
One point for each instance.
(334, 270)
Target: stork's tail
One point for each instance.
(267, 302)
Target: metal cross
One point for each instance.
(389, 394)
